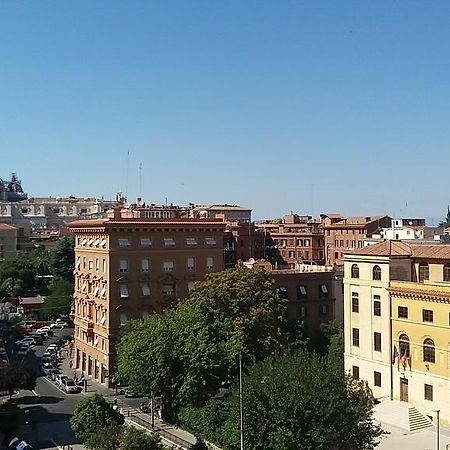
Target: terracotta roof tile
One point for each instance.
(436, 251)
(384, 248)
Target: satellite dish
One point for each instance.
(251, 261)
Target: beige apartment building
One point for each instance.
(8, 241)
(127, 268)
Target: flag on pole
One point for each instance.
(395, 355)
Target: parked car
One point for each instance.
(42, 330)
(131, 394)
(29, 341)
(17, 444)
(45, 368)
(60, 379)
(70, 387)
(52, 348)
(23, 350)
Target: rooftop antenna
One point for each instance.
(140, 180)
(126, 175)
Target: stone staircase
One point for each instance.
(417, 421)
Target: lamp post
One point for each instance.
(437, 411)
(241, 405)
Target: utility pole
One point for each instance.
(437, 428)
(241, 405)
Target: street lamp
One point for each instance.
(437, 411)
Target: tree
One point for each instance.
(60, 300)
(302, 400)
(17, 276)
(137, 439)
(91, 413)
(104, 438)
(62, 261)
(187, 355)
(17, 376)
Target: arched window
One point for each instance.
(446, 274)
(355, 271)
(424, 272)
(403, 345)
(376, 273)
(429, 352)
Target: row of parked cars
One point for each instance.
(49, 367)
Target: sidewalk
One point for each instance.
(169, 433)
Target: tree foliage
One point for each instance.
(60, 299)
(187, 355)
(137, 439)
(17, 276)
(91, 413)
(291, 401)
(104, 438)
(62, 261)
(17, 376)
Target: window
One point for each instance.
(146, 242)
(190, 263)
(402, 312)
(210, 241)
(190, 286)
(424, 272)
(323, 310)
(291, 254)
(209, 262)
(283, 292)
(78, 263)
(124, 243)
(104, 265)
(428, 391)
(355, 372)
(429, 352)
(355, 302)
(306, 243)
(323, 290)
(168, 289)
(355, 337)
(145, 265)
(91, 265)
(97, 288)
(123, 290)
(377, 308)
(103, 291)
(377, 379)
(145, 290)
(123, 319)
(103, 319)
(169, 242)
(302, 292)
(427, 315)
(97, 264)
(403, 346)
(123, 267)
(446, 274)
(301, 311)
(191, 242)
(355, 271)
(377, 342)
(168, 266)
(376, 273)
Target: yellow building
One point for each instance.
(414, 366)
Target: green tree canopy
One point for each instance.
(62, 261)
(91, 413)
(104, 438)
(60, 299)
(188, 354)
(17, 276)
(17, 376)
(137, 439)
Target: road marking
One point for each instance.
(34, 392)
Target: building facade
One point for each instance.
(128, 268)
(344, 234)
(8, 241)
(397, 322)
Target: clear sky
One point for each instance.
(311, 106)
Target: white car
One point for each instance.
(29, 341)
(52, 348)
(43, 330)
(70, 387)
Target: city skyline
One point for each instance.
(307, 107)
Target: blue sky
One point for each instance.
(318, 106)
